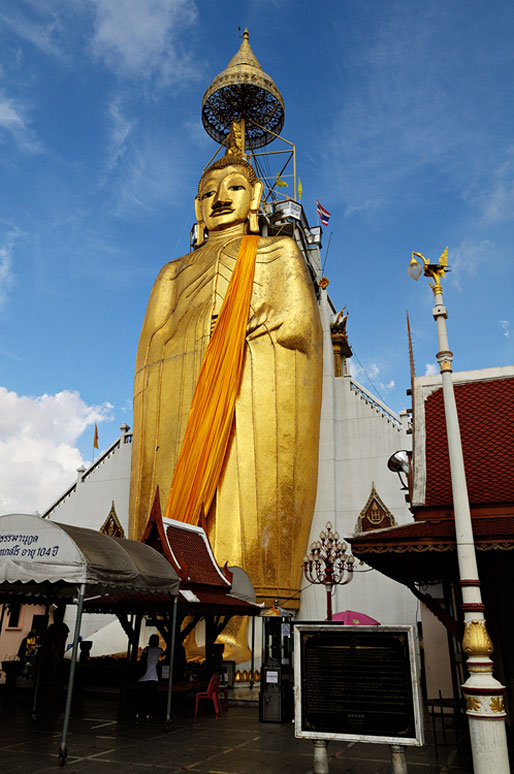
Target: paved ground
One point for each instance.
(236, 744)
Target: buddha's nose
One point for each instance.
(222, 197)
(223, 192)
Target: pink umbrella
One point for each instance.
(352, 618)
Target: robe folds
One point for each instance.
(261, 515)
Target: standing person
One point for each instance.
(149, 680)
(52, 649)
(27, 652)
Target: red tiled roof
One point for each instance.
(209, 600)
(196, 563)
(425, 551)
(486, 418)
(141, 603)
(487, 530)
(220, 599)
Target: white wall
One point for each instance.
(105, 481)
(437, 658)
(358, 434)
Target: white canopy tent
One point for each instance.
(44, 560)
(41, 558)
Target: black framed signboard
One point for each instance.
(358, 683)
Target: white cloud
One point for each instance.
(43, 30)
(121, 129)
(505, 326)
(6, 257)
(393, 138)
(10, 117)
(131, 37)
(38, 456)
(431, 369)
(498, 200)
(197, 134)
(413, 119)
(6, 277)
(353, 208)
(140, 39)
(467, 258)
(150, 179)
(14, 121)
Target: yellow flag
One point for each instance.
(300, 190)
(281, 182)
(95, 438)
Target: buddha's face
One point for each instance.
(225, 198)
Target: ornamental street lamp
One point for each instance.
(327, 563)
(484, 694)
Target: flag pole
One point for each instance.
(95, 442)
(328, 248)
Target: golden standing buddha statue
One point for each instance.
(259, 510)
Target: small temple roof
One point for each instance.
(205, 587)
(192, 554)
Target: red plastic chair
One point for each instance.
(212, 694)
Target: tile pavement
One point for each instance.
(238, 743)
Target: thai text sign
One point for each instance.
(357, 683)
(25, 546)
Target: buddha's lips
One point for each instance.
(222, 211)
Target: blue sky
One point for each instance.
(402, 116)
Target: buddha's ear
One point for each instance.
(253, 215)
(257, 190)
(200, 237)
(198, 208)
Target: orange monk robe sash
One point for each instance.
(209, 425)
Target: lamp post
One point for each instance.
(484, 694)
(327, 563)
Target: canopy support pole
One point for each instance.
(172, 660)
(134, 653)
(252, 664)
(38, 671)
(63, 752)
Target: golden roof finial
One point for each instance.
(244, 56)
(243, 91)
(235, 141)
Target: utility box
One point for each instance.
(276, 701)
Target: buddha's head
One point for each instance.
(229, 195)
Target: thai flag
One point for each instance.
(324, 215)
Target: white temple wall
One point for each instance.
(358, 434)
(89, 501)
(438, 675)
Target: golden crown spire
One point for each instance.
(243, 92)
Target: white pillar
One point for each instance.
(320, 756)
(398, 759)
(484, 694)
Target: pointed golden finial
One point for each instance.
(243, 92)
(236, 140)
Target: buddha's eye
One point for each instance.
(236, 188)
(207, 194)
